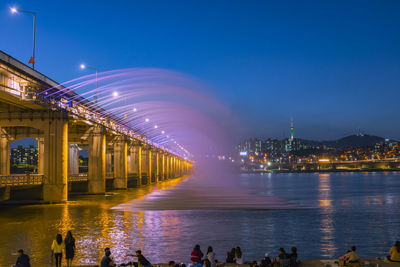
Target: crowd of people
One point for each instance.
(235, 255)
(197, 258)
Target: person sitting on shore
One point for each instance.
(143, 262)
(211, 256)
(266, 261)
(196, 255)
(206, 263)
(282, 258)
(107, 261)
(293, 257)
(282, 255)
(394, 253)
(22, 260)
(352, 256)
(238, 256)
(230, 255)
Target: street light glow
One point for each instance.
(147, 120)
(163, 132)
(134, 109)
(83, 66)
(115, 93)
(13, 10)
(155, 126)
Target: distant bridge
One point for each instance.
(355, 165)
(118, 157)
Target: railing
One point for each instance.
(21, 179)
(79, 177)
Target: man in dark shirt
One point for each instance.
(142, 260)
(22, 260)
(107, 261)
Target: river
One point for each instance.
(321, 214)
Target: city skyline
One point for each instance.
(332, 77)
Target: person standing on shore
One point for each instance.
(57, 248)
(142, 261)
(230, 255)
(211, 256)
(196, 255)
(22, 260)
(238, 256)
(107, 260)
(69, 248)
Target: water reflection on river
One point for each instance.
(321, 214)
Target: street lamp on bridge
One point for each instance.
(83, 66)
(15, 10)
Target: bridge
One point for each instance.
(118, 156)
(390, 164)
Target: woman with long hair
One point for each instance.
(196, 255)
(211, 256)
(57, 248)
(69, 248)
(238, 256)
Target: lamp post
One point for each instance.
(15, 10)
(83, 66)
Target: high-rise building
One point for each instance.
(24, 156)
(291, 129)
(250, 146)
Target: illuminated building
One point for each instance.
(23, 157)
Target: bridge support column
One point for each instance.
(55, 186)
(120, 163)
(97, 160)
(157, 166)
(41, 157)
(73, 159)
(166, 168)
(145, 162)
(138, 164)
(162, 174)
(171, 167)
(149, 166)
(109, 160)
(4, 154)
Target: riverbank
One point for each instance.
(304, 263)
(322, 171)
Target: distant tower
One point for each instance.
(291, 129)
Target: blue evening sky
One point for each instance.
(332, 65)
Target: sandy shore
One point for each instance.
(305, 263)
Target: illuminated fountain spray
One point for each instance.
(163, 108)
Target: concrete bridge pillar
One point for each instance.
(97, 160)
(73, 159)
(157, 166)
(4, 154)
(149, 166)
(145, 163)
(171, 171)
(175, 172)
(109, 160)
(41, 157)
(166, 167)
(55, 185)
(162, 170)
(138, 163)
(120, 163)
